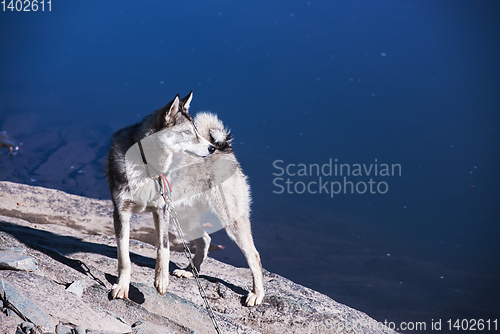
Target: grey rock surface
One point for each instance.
(151, 328)
(63, 329)
(77, 288)
(61, 232)
(16, 261)
(22, 304)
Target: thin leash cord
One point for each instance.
(165, 193)
(170, 208)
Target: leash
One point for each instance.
(166, 193)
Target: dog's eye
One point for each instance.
(187, 132)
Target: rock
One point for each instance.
(15, 261)
(189, 314)
(26, 306)
(150, 328)
(17, 250)
(63, 329)
(67, 235)
(79, 330)
(27, 327)
(77, 288)
(61, 306)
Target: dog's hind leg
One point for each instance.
(202, 245)
(161, 218)
(240, 232)
(122, 231)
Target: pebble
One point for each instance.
(79, 330)
(77, 288)
(28, 327)
(137, 323)
(63, 329)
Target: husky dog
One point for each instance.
(197, 159)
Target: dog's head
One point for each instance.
(178, 131)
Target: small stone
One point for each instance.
(79, 330)
(63, 329)
(26, 326)
(137, 323)
(77, 288)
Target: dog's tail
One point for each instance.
(212, 129)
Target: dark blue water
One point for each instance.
(414, 83)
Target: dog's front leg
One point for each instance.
(161, 218)
(121, 221)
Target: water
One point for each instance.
(413, 83)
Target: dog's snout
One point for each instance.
(211, 149)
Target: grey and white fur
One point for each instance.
(197, 158)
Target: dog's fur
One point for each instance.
(191, 152)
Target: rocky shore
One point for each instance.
(58, 262)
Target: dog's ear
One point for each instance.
(172, 111)
(166, 117)
(185, 102)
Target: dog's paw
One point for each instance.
(119, 292)
(183, 273)
(161, 283)
(254, 299)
